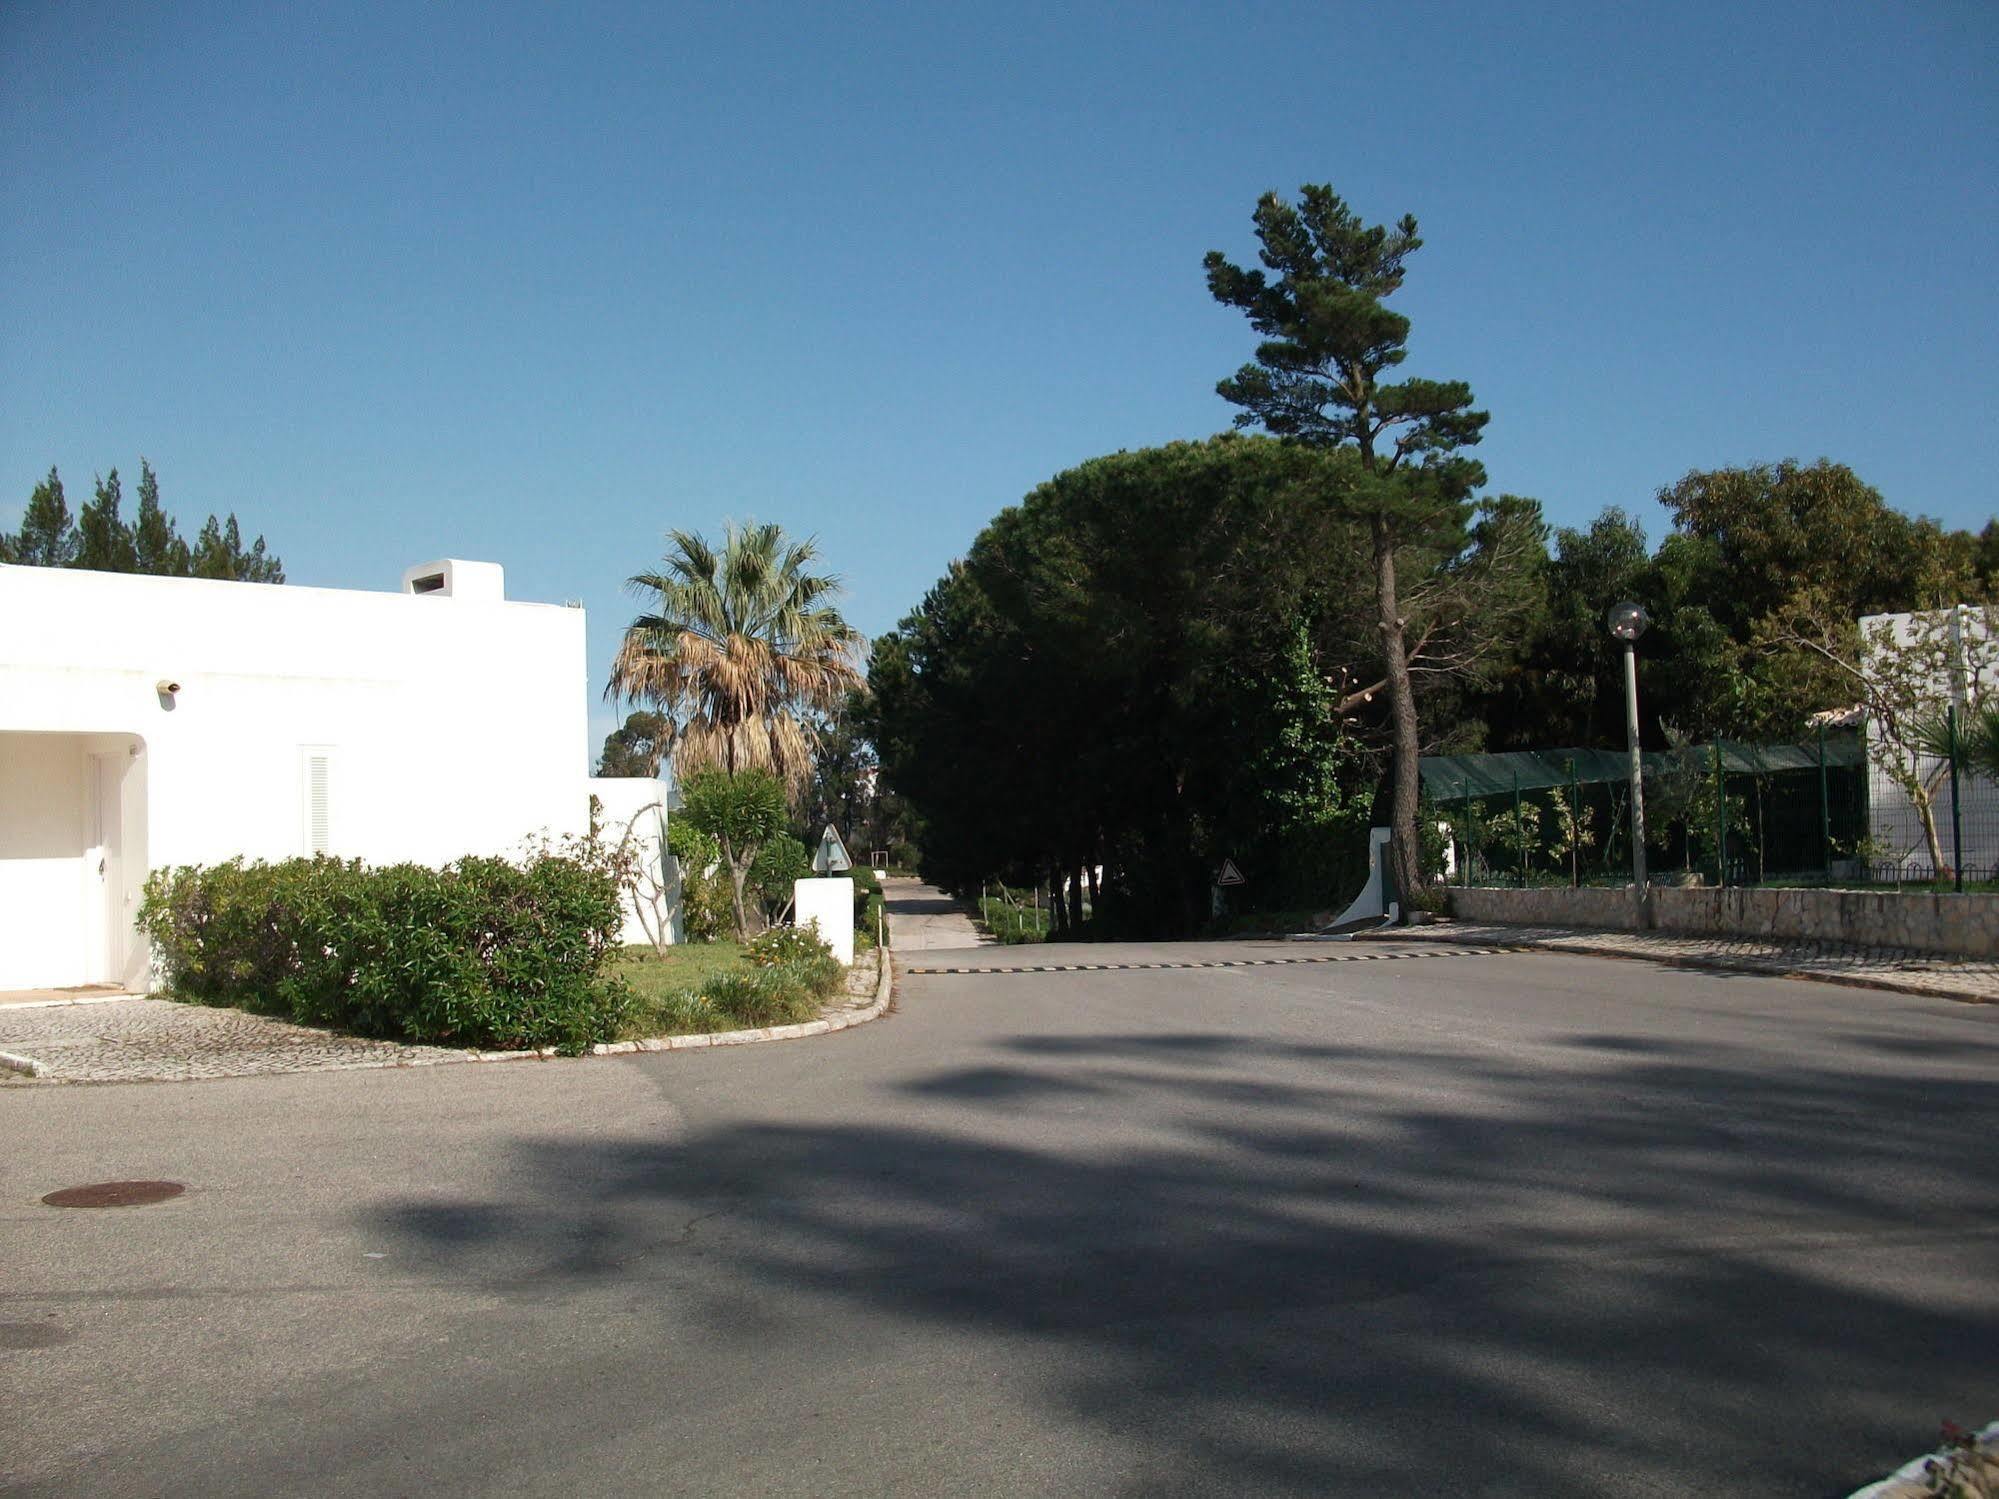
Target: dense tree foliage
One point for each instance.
(1163, 658)
(1160, 659)
(742, 812)
(1751, 551)
(638, 746)
(100, 538)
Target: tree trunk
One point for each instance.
(1403, 865)
(1926, 810)
(739, 873)
(1076, 898)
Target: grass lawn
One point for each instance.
(685, 966)
(708, 986)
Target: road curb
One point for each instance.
(444, 1057)
(1709, 964)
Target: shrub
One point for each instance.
(741, 812)
(778, 866)
(704, 889)
(788, 994)
(1012, 923)
(787, 944)
(483, 953)
(867, 904)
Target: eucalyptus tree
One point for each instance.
(738, 644)
(1318, 380)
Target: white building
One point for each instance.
(148, 722)
(1956, 651)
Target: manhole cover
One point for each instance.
(114, 1195)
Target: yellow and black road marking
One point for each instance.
(1337, 957)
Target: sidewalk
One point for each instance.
(129, 1039)
(1901, 969)
(922, 917)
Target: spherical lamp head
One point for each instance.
(1628, 620)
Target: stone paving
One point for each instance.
(131, 1040)
(159, 1040)
(1905, 970)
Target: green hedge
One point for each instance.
(1010, 922)
(482, 953)
(867, 904)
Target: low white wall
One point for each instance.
(829, 904)
(632, 807)
(1958, 925)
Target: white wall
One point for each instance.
(1892, 818)
(41, 859)
(630, 804)
(454, 725)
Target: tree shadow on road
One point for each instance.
(1621, 1266)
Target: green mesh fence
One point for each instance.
(1729, 813)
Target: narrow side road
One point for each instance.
(922, 917)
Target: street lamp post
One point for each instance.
(1627, 622)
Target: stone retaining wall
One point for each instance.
(1962, 925)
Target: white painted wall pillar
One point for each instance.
(829, 902)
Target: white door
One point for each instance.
(105, 919)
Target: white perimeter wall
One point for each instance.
(452, 725)
(1892, 817)
(631, 806)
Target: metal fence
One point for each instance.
(1840, 808)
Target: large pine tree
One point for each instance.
(1317, 380)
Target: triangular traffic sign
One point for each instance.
(1230, 875)
(832, 855)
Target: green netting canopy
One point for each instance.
(1449, 778)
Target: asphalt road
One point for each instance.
(1489, 1224)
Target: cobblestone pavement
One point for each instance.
(158, 1040)
(1898, 968)
(130, 1040)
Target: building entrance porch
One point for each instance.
(72, 861)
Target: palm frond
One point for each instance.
(738, 645)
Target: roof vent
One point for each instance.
(451, 578)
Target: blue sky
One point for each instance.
(532, 283)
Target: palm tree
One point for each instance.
(736, 646)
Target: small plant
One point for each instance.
(1010, 922)
(1516, 831)
(788, 994)
(787, 944)
(1574, 832)
(704, 889)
